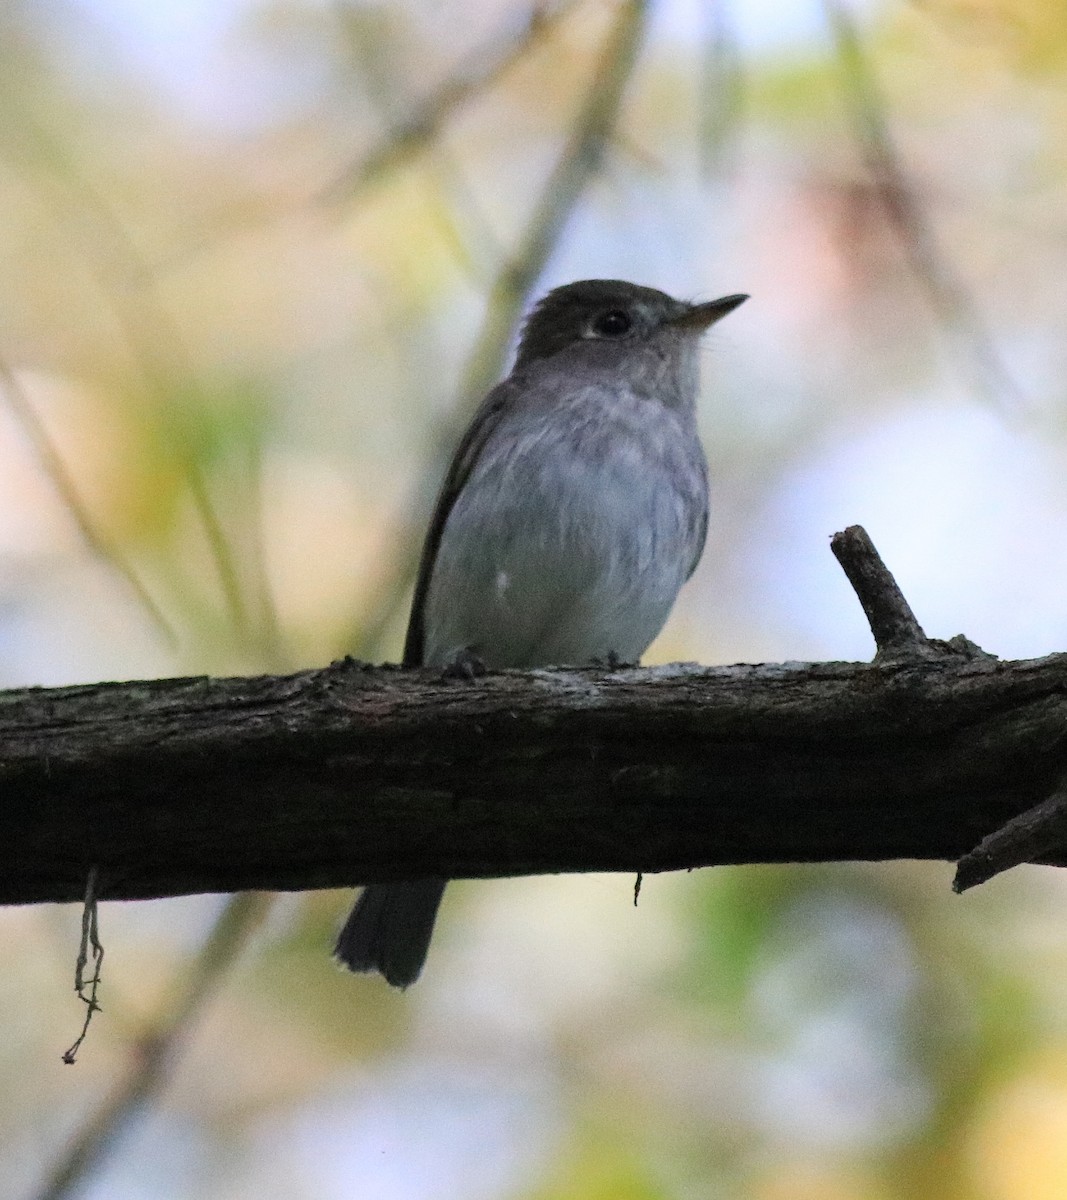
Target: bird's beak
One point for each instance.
(703, 316)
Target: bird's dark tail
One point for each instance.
(389, 929)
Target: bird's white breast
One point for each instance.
(571, 537)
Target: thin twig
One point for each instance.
(897, 633)
(1040, 831)
(576, 167)
(90, 943)
(100, 546)
(949, 298)
(152, 1058)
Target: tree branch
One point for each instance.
(897, 633)
(1025, 838)
(355, 774)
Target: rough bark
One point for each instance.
(353, 774)
(357, 774)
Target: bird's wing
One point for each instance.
(479, 431)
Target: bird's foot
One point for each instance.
(612, 661)
(464, 664)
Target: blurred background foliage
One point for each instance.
(257, 258)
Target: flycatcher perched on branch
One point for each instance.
(573, 511)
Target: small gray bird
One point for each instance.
(574, 509)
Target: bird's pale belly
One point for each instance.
(598, 584)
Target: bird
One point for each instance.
(573, 510)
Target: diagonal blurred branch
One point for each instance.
(99, 545)
(576, 167)
(478, 71)
(954, 307)
(464, 227)
(153, 1057)
(151, 335)
(157, 348)
(407, 136)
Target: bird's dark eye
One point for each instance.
(614, 323)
